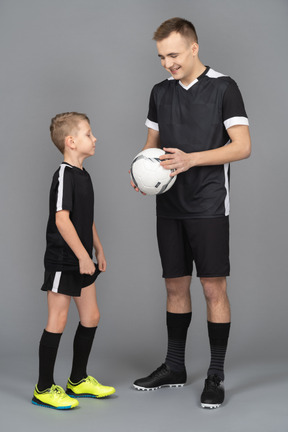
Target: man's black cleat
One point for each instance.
(161, 377)
(213, 393)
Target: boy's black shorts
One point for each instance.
(204, 241)
(68, 282)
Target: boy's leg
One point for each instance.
(89, 318)
(58, 306)
(79, 383)
(46, 393)
(48, 348)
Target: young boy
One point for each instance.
(69, 269)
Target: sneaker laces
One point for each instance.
(92, 380)
(213, 381)
(58, 391)
(161, 370)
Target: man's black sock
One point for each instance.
(218, 337)
(82, 345)
(177, 327)
(48, 348)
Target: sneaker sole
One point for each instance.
(210, 406)
(156, 388)
(87, 395)
(37, 402)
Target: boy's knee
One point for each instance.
(92, 320)
(56, 324)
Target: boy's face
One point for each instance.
(84, 140)
(178, 56)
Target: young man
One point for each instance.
(198, 117)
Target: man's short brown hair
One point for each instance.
(178, 25)
(63, 125)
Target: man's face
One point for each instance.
(178, 56)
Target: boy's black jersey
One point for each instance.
(71, 190)
(193, 119)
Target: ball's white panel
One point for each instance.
(147, 173)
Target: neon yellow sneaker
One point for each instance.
(54, 397)
(88, 387)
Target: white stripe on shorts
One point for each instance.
(56, 281)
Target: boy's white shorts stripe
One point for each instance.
(56, 281)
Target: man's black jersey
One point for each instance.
(193, 119)
(71, 190)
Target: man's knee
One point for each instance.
(178, 287)
(214, 288)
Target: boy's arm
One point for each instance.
(69, 234)
(101, 260)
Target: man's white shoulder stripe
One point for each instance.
(152, 125)
(213, 74)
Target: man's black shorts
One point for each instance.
(204, 241)
(68, 282)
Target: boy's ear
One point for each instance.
(69, 142)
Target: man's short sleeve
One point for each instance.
(233, 109)
(65, 189)
(152, 120)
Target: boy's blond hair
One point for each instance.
(63, 125)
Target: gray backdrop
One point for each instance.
(98, 57)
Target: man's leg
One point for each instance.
(179, 313)
(218, 317)
(172, 373)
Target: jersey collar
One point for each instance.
(196, 80)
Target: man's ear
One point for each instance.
(195, 48)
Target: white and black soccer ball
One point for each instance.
(147, 173)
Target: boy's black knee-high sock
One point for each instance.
(218, 337)
(82, 345)
(47, 355)
(177, 327)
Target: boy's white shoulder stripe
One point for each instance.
(59, 203)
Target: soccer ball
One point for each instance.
(147, 173)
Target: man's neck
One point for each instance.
(198, 70)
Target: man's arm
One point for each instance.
(153, 141)
(239, 148)
(69, 234)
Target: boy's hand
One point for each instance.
(101, 260)
(86, 266)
